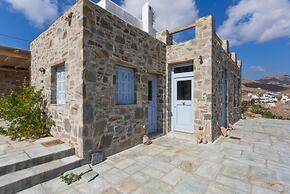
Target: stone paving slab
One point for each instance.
(258, 163)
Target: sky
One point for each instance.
(258, 30)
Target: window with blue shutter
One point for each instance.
(60, 85)
(125, 86)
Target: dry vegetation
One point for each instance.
(279, 85)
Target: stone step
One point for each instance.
(33, 156)
(26, 178)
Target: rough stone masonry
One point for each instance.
(90, 42)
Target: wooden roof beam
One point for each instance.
(21, 64)
(182, 29)
(12, 69)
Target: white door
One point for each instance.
(224, 99)
(152, 108)
(182, 102)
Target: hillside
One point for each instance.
(277, 80)
(278, 85)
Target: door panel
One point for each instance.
(183, 104)
(152, 108)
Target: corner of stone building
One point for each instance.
(61, 44)
(202, 57)
(165, 37)
(109, 127)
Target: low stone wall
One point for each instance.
(11, 80)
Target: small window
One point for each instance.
(125, 86)
(58, 85)
(149, 90)
(184, 90)
(183, 69)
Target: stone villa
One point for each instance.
(110, 78)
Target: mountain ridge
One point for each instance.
(278, 79)
(277, 83)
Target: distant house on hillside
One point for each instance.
(111, 78)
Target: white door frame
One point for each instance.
(185, 75)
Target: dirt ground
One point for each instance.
(281, 110)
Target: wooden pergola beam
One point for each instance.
(15, 53)
(182, 29)
(12, 69)
(3, 61)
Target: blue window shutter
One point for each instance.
(124, 85)
(58, 88)
(60, 85)
(63, 86)
(132, 87)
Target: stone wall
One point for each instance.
(62, 43)
(110, 42)
(209, 56)
(224, 60)
(12, 80)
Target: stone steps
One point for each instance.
(28, 177)
(24, 164)
(35, 156)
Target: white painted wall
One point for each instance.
(120, 12)
(146, 24)
(148, 19)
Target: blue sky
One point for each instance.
(263, 48)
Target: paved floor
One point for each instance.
(259, 163)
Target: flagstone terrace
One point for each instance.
(256, 160)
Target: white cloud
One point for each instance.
(258, 21)
(37, 11)
(169, 14)
(257, 69)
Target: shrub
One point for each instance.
(26, 114)
(251, 106)
(70, 178)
